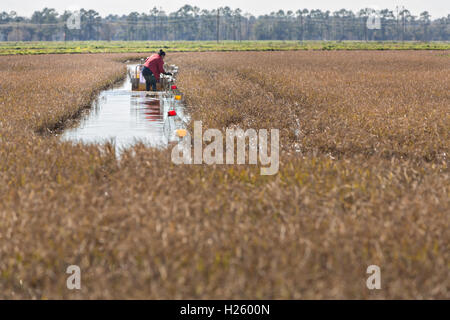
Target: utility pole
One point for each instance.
(160, 21)
(402, 12)
(404, 25)
(247, 27)
(17, 31)
(218, 25)
(397, 23)
(240, 29)
(365, 28)
(301, 26)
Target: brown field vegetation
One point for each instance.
(364, 180)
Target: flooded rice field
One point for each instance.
(126, 117)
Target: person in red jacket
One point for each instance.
(153, 67)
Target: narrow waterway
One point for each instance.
(126, 118)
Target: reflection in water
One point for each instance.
(127, 117)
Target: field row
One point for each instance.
(12, 48)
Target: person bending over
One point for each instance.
(153, 67)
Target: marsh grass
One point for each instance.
(364, 181)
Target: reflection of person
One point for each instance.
(153, 67)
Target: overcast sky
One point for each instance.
(437, 8)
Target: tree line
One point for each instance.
(193, 23)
